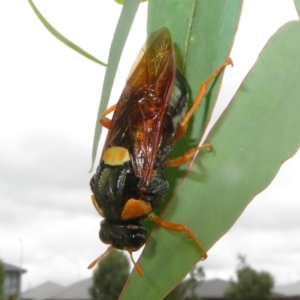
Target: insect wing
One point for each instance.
(138, 118)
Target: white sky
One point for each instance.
(49, 97)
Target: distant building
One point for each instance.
(13, 280)
(76, 291)
(215, 289)
(46, 290)
(211, 289)
(51, 291)
(291, 290)
(208, 290)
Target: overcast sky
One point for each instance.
(49, 97)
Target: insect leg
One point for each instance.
(92, 264)
(178, 227)
(181, 129)
(136, 266)
(104, 121)
(186, 157)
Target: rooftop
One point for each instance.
(43, 291)
(12, 268)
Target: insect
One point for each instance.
(150, 116)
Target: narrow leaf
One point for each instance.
(203, 38)
(122, 30)
(202, 41)
(297, 5)
(63, 39)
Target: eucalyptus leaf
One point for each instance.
(122, 30)
(62, 38)
(297, 5)
(203, 34)
(258, 131)
(203, 40)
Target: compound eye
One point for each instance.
(138, 238)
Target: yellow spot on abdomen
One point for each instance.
(116, 156)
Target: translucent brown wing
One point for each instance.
(139, 115)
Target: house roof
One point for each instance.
(51, 290)
(46, 290)
(76, 291)
(214, 288)
(12, 268)
(292, 289)
(209, 289)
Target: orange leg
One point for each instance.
(178, 227)
(105, 121)
(136, 266)
(93, 263)
(188, 156)
(181, 129)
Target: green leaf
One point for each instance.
(63, 39)
(202, 42)
(122, 30)
(297, 5)
(258, 131)
(203, 34)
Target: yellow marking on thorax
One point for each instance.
(116, 156)
(135, 209)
